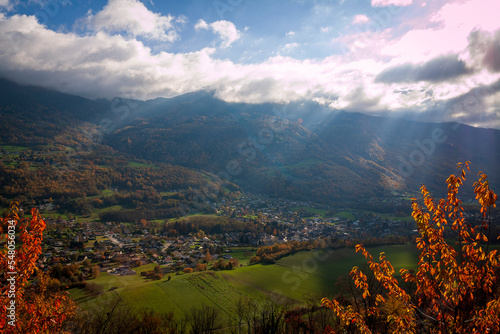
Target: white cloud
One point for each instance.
(383, 3)
(201, 24)
(103, 65)
(290, 33)
(134, 19)
(469, 15)
(7, 4)
(225, 29)
(360, 19)
(106, 65)
(290, 46)
(444, 32)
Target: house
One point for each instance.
(123, 270)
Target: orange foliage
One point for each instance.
(201, 267)
(36, 309)
(269, 254)
(456, 287)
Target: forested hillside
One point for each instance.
(77, 148)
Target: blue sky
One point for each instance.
(428, 59)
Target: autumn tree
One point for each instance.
(24, 307)
(201, 267)
(207, 258)
(456, 286)
(96, 271)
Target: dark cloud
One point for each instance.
(470, 108)
(492, 57)
(435, 70)
(402, 73)
(359, 100)
(484, 49)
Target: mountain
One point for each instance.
(303, 151)
(299, 150)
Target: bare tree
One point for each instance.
(204, 319)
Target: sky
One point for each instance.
(432, 60)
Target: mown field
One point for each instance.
(305, 275)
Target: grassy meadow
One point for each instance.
(296, 278)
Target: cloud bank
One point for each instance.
(435, 65)
(435, 70)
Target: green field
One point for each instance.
(243, 254)
(134, 164)
(13, 148)
(104, 193)
(313, 211)
(295, 278)
(315, 272)
(331, 265)
(177, 295)
(96, 212)
(193, 217)
(345, 215)
(92, 217)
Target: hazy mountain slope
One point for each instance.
(300, 150)
(339, 156)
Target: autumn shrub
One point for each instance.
(455, 286)
(38, 308)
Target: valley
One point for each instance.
(194, 203)
(260, 167)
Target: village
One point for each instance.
(118, 248)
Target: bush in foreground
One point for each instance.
(455, 289)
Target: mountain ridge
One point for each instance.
(298, 150)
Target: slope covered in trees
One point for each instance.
(299, 151)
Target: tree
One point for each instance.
(264, 317)
(207, 258)
(457, 288)
(96, 271)
(28, 308)
(157, 269)
(204, 319)
(201, 267)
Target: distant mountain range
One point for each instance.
(300, 150)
